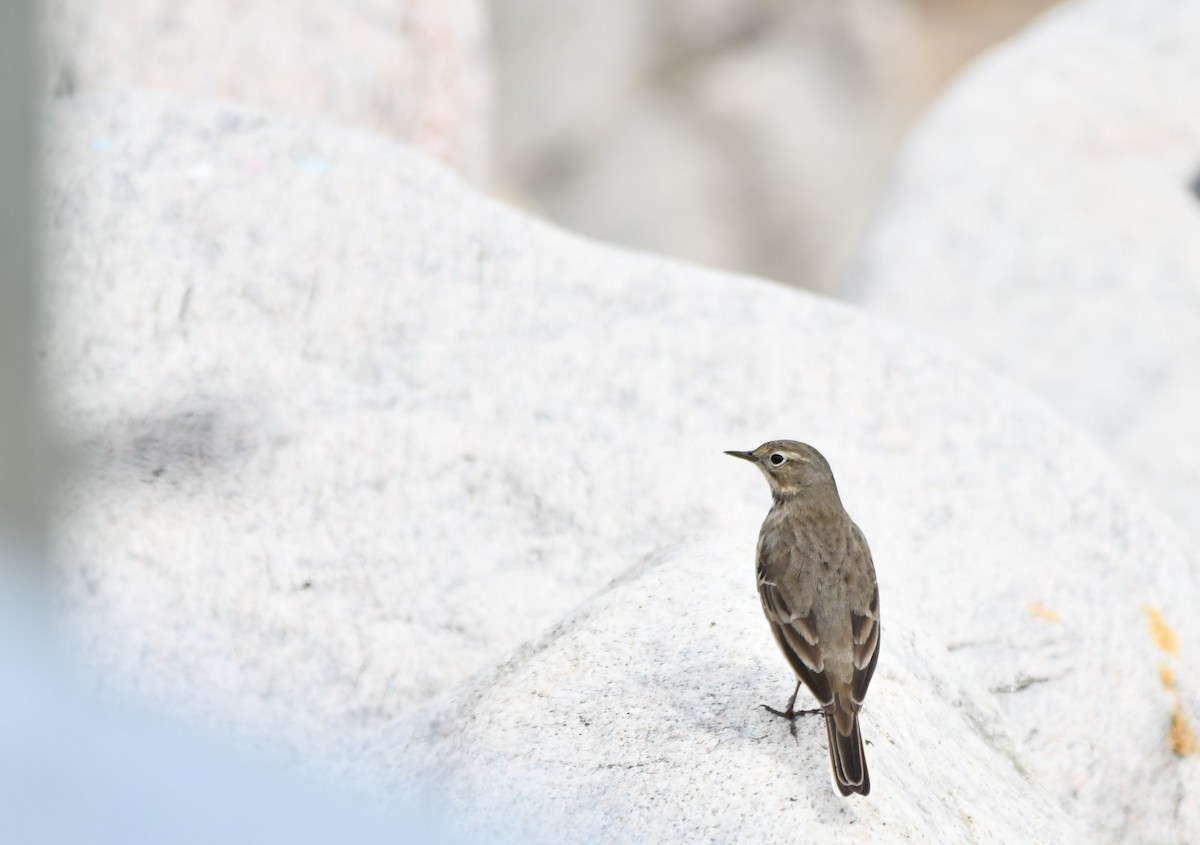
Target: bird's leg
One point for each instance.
(791, 713)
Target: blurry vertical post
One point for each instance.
(23, 444)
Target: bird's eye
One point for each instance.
(777, 459)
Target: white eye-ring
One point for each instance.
(777, 459)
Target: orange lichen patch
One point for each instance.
(1039, 610)
(1166, 676)
(1164, 637)
(1183, 738)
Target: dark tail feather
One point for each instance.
(847, 757)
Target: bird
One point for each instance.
(817, 584)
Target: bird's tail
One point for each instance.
(846, 752)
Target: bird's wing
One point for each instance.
(795, 631)
(864, 619)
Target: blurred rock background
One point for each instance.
(752, 135)
(416, 70)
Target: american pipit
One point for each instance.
(818, 591)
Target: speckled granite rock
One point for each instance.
(350, 433)
(131, 777)
(638, 721)
(1045, 218)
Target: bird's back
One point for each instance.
(815, 557)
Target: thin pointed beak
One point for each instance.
(745, 456)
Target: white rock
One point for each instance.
(414, 69)
(1046, 218)
(639, 721)
(134, 778)
(354, 433)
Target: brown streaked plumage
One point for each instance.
(818, 591)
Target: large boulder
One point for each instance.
(638, 720)
(348, 434)
(1045, 217)
(414, 69)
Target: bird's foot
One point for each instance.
(791, 713)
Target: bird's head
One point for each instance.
(792, 469)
